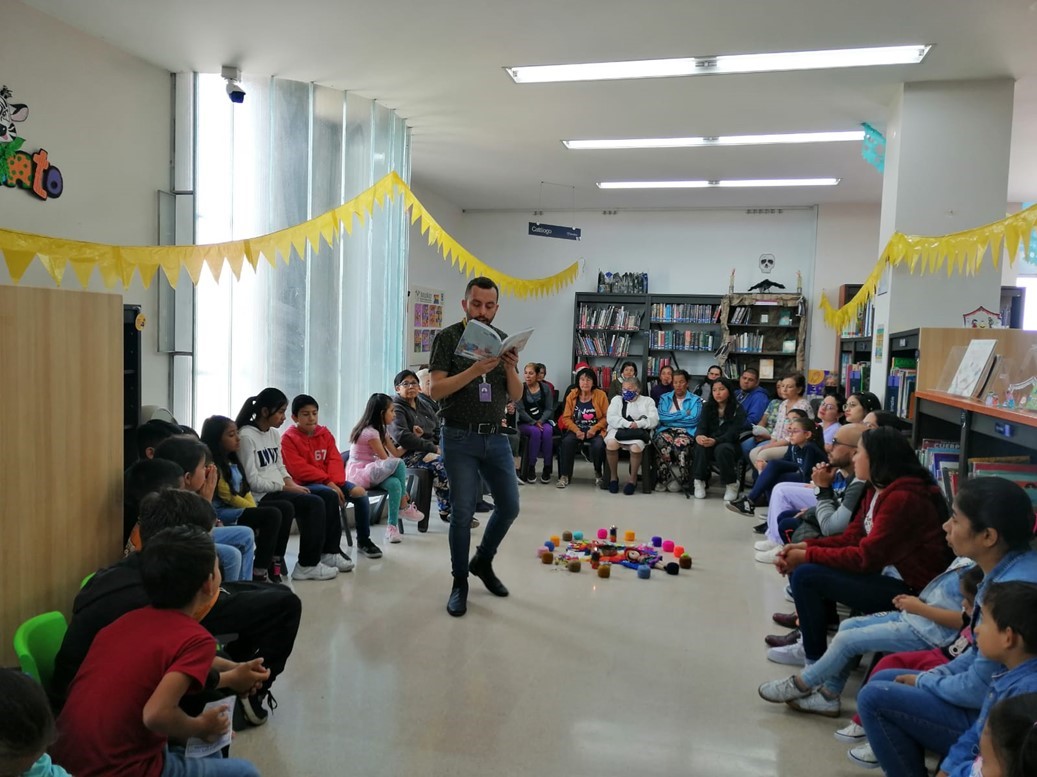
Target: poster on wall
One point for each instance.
(22, 169)
(425, 320)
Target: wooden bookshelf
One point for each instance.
(770, 319)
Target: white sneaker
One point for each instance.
(319, 571)
(700, 489)
(340, 561)
(765, 545)
(660, 487)
(392, 535)
(790, 655)
(563, 482)
(767, 556)
(673, 486)
(730, 492)
(853, 733)
(519, 480)
(864, 756)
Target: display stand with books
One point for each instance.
(765, 331)
(608, 329)
(683, 333)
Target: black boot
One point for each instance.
(457, 605)
(482, 568)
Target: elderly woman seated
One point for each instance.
(416, 430)
(631, 419)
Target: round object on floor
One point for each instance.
(672, 568)
(603, 534)
(605, 570)
(629, 536)
(678, 550)
(685, 561)
(644, 571)
(547, 558)
(542, 550)
(574, 565)
(578, 535)
(550, 545)
(667, 546)
(657, 542)
(567, 536)
(556, 540)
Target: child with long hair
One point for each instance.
(233, 500)
(318, 515)
(804, 452)
(375, 460)
(1008, 746)
(26, 727)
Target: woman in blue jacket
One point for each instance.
(674, 440)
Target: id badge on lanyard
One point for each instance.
(485, 392)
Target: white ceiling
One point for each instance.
(481, 141)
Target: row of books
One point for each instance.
(604, 377)
(608, 317)
(748, 341)
(943, 459)
(604, 345)
(856, 377)
(683, 340)
(656, 363)
(743, 315)
(862, 324)
(684, 313)
(900, 387)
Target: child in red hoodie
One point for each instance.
(313, 460)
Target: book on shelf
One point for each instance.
(1022, 474)
(604, 345)
(684, 313)
(974, 369)
(856, 377)
(592, 316)
(900, 390)
(861, 324)
(766, 369)
(788, 346)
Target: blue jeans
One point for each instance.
(467, 456)
(886, 632)
(779, 471)
(244, 540)
(903, 722)
(178, 765)
(816, 588)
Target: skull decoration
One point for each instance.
(766, 263)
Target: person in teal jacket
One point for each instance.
(674, 439)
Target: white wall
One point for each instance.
(427, 268)
(847, 249)
(683, 252)
(104, 118)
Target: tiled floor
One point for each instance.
(569, 675)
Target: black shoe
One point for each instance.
(760, 528)
(483, 569)
(743, 506)
(482, 506)
(545, 477)
(368, 548)
(276, 573)
(457, 604)
(444, 517)
(253, 710)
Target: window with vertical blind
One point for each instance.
(332, 325)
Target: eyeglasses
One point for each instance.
(840, 442)
(848, 405)
(410, 385)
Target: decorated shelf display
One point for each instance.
(604, 552)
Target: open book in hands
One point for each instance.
(479, 341)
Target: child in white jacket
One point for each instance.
(631, 418)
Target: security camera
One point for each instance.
(234, 91)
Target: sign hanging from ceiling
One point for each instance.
(552, 230)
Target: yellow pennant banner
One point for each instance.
(959, 253)
(118, 264)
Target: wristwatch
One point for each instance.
(817, 490)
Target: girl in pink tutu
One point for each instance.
(374, 460)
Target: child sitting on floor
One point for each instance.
(1008, 745)
(142, 665)
(26, 728)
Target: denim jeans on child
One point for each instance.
(467, 456)
(179, 765)
(882, 633)
(902, 722)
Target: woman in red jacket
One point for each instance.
(893, 545)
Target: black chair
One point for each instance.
(419, 488)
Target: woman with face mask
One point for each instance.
(631, 419)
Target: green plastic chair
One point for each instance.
(87, 579)
(36, 643)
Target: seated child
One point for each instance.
(1008, 746)
(26, 728)
(923, 622)
(142, 665)
(234, 503)
(313, 460)
(804, 451)
(375, 460)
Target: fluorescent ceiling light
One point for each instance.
(722, 140)
(726, 63)
(721, 184)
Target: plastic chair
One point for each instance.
(87, 579)
(36, 643)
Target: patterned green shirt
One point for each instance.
(463, 406)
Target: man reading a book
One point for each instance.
(472, 397)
